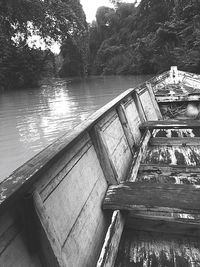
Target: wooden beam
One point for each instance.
(170, 124)
(137, 158)
(49, 230)
(168, 169)
(177, 141)
(127, 131)
(139, 106)
(164, 224)
(110, 247)
(169, 99)
(153, 99)
(107, 165)
(133, 196)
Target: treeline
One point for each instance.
(125, 39)
(22, 64)
(148, 38)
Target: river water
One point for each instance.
(31, 119)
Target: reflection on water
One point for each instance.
(33, 118)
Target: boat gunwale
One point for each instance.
(21, 179)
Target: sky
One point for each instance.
(90, 7)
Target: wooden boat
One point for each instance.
(122, 189)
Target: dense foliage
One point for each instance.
(52, 20)
(147, 38)
(125, 39)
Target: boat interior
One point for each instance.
(160, 227)
(121, 189)
(163, 230)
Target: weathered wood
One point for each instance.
(60, 168)
(23, 178)
(148, 106)
(13, 245)
(153, 99)
(178, 177)
(164, 224)
(103, 155)
(116, 143)
(84, 241)
(157, 249)
(170, 133)
(139, 106)
(170, 124)
(16, 254)
(127, 131)
(133, 119)
(49, 229)
(110, 247)
(163, 168)
(173, 155)
(178, 141)
(65, 204)
(183, 98)
(127, 196)
(137, 158)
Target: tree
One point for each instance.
(52, 20)
(149, 38)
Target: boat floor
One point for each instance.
(149, 249)
(173, 157)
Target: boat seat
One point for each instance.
(134, 196)
(170, 124)
(157, 207)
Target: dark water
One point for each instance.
(33, 118)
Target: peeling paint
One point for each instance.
(157, 250)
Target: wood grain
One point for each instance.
(170, 124)
(113, 236)
(177, 141)
(133, 118)
(129, 195)
(138, 156)
(139, 248)
(153, 99)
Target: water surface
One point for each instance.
(31, 119)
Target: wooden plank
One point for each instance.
(170, 133)
(49, 229)
(148, 107)
(133, 119)
(139, 106)
(26, 175)
(139, 248)
(170, 124)
(153, 99)
(59, 168)
(161, 168)
(173, 155)
(178, 177)
(116, 143)
(103, 155)
(16, 254)
(109, 250)
(127, 131)
(83, 243)
(66, 202)
(138, 156)
(178, 141)
(164, 224)
(168, 99)
(129, 195)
